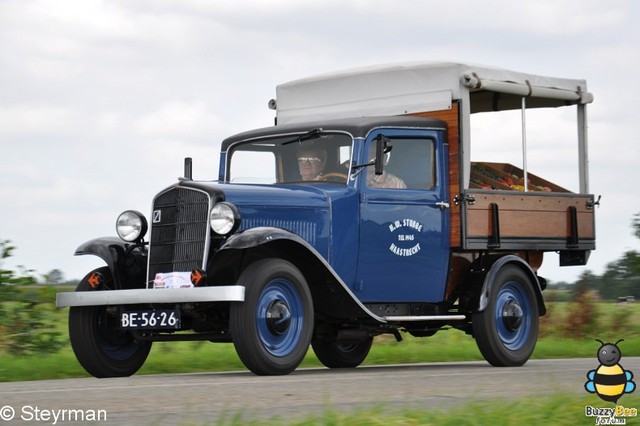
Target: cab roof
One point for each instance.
(357, 127)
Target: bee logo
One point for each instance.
(609, 381)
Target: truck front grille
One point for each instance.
(179, 231)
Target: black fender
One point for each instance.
(127, 262)
(260, 235)
(483, 276)
(332, 298)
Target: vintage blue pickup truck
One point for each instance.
(358, 214)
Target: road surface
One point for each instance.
(204, 397)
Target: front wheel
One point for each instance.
(272, 328)
(507, 330)
(100, 345)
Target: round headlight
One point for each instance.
(224, 218)
(131, 226)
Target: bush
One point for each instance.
(26, 326)
(582, 316)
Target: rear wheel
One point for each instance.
(272, 328)
(507, 330)
(335, 355)
(100, 345)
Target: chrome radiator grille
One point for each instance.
(179, 231)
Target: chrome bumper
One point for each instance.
(232, 293)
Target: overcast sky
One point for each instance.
(101, 100)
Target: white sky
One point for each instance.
(101, 100)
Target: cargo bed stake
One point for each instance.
(494, 238)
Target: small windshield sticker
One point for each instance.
(405, 232)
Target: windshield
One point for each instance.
(312, 157)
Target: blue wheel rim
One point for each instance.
(279, 336)
(513, 334)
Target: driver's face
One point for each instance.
(310, 165)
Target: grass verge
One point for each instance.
(614, 322)
(559, 409)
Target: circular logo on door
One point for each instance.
(405, 242)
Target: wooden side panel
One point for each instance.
(451, 117)
(539, 220)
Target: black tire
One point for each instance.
(507, 330)
(334, 355)
(100, 346)
(272, 328)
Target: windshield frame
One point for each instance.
(285, 148)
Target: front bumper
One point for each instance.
(231, 293)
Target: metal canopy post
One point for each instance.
(583, 154)
(524, 144)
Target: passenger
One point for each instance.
(385, 180)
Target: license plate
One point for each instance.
(159, 319)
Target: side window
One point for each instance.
(409, 165)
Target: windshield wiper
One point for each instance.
(311, 134)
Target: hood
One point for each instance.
(304, 209)
(309, 195)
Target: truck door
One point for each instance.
(404, 222)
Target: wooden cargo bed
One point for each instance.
(514, 220)
(503, 217)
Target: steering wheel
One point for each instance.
(334, 177)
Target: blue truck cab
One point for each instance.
(358, 214)
(368, 231)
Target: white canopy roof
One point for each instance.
(431, 86)
(417, 87)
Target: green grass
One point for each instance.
(613, 323)
(559, 409)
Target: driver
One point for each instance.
(311, 162)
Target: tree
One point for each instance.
(635, 224)
(55, 276)
(8, 280)
(622, 277)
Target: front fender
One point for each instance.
(127, 262)
(257, 236)
(332, 298)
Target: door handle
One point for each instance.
(443, 205)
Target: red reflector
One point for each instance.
(197, 277)
(95, 280)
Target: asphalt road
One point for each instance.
(205, 397)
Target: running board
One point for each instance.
(411, 318)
